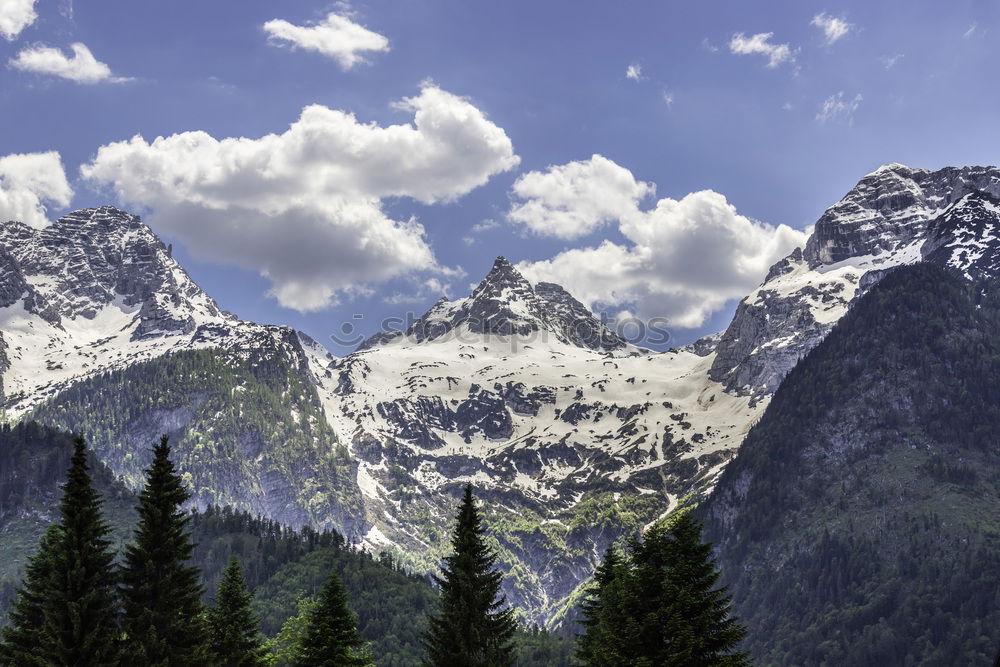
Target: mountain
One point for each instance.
(105, 334)
(884, 221)
(860, 521)
(574, 437)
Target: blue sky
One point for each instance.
(779, 132)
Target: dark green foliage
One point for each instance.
(164, 618)
(859, 523)
(234, 630)
(331, 635)
(67, 611)
(542, 648)
(662, 606)
(473, 627)
(81, 605)
(26, 630)
(280, 565)
(33, 464)
(604, 617)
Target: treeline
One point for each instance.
(79, 605)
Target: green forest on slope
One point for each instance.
(282, 566)
(248, 430)
(860, 521)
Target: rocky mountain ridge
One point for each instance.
(888, 219)
(574, 437)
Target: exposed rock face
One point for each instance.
(573, 437)
(91, 258)
(883, 222)
(965, 237)
(890, 208)
(506, 304)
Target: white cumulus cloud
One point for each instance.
(304, 207)
(682, 259)
(15, 16)
(633, 72)
(761, 44)
(336, 37)
(833, 27)
(81, 67)
(27, 182)
(572, 200)
(837, 107)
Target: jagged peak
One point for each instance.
(896, 168)
(503, 273)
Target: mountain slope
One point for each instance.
(105, 334)
(859, 522)
(883, 222)
(575, 438)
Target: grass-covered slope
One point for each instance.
(247, 430)
(860, 522)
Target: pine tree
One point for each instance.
(67, 611)
(332, 638)
(164, 619)
(606, 637)
(472, 628)
(233, 625)
(683, 619)
(24, 633)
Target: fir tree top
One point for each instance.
(233, 625)
(474, 627)
(332, 638)
(161, 591)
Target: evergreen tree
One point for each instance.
(67, 612)
(233, 626)
(164, 617)
(332, 638)
(472, 627)
(24, 633)
(285, 648)
(605, 621)
(683, 619)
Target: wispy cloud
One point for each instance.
(81, 67)
(336, 37)
(479, 228)
(668, 99)
(837, 107)
(890, 61)
(761, 44)
(972, 31)
(834, 28)
(634, 72)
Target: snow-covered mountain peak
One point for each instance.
(890, 208)
(99, 257)
(503, 305)
(98, 290)
(888, 219)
